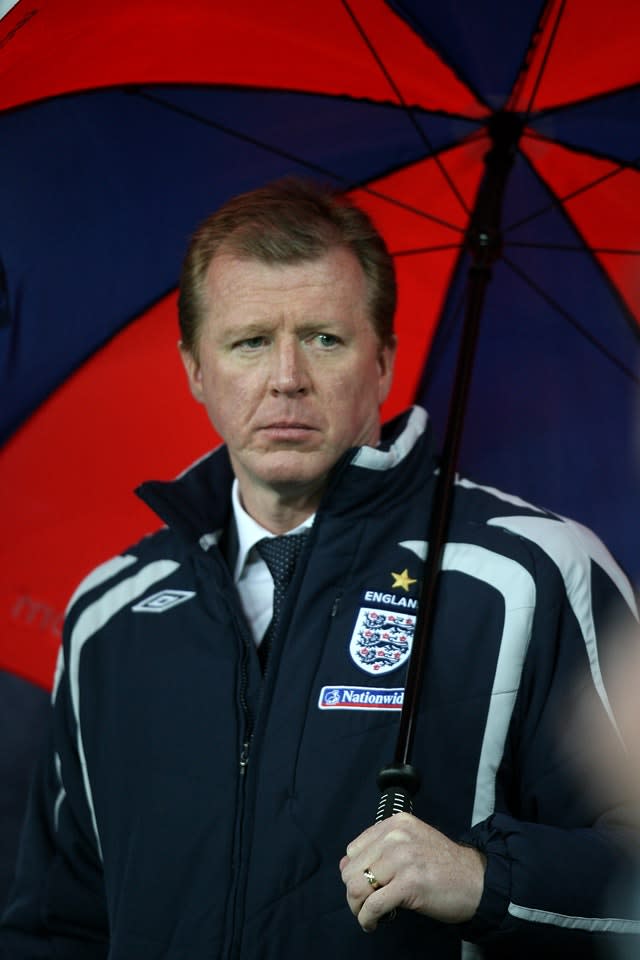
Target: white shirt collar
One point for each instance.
(250, 531)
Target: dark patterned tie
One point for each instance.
(281, 555)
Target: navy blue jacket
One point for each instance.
(191, 809)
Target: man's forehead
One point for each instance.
(231, 274)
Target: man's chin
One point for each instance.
(291, 471)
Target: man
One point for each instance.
(207, 771)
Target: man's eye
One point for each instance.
(251, 343)
(327, 339)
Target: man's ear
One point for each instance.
(193, 371)
(386, 359)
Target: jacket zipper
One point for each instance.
(240, 877)
(232, 944)
(245, 753)
(244, 757)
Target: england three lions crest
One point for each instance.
(381, 640)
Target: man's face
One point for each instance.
(290, 370)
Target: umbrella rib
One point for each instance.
(573, 248)
(526, 58)
(588, 151)
(545, 58)
(285, 154)
(578, 327)
(558, 202)
(434, 249)
(407, 109)
(571, 106)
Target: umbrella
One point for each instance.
(124, 124)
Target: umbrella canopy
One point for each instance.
(124, 124)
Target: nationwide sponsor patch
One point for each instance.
(162, 601)
(361, 698)
(381, 639)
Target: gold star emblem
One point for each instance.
(402, 580)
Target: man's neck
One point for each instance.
(277, 512)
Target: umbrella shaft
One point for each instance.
(479, 277)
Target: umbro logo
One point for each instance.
(165, 600)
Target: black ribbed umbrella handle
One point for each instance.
(398, 785)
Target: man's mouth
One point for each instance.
(288, 430)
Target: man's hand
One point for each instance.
(411, 865)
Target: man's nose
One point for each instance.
(289, 373)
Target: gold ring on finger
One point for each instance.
(371, 878)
